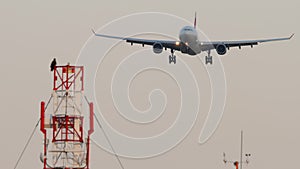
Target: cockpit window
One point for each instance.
(188, 29)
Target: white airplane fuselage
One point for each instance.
(189, 36)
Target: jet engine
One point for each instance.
(157, 47)
(221, 49)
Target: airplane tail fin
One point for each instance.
(195, 20)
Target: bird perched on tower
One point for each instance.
(53, 64)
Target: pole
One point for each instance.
(241, 158)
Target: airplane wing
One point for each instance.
(205, 46)
(175, 45)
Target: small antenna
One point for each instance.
(241, 159)
(238, 164)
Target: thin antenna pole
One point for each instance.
(241, 159)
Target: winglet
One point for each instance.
(93, 31)
(291, 36)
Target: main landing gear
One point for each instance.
(172, 57)
(208, 58)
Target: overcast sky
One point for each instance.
(262, 83)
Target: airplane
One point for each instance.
(189, 43)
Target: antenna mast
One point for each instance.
(66, 144)
(241, 157)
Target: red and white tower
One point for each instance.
(66, 142)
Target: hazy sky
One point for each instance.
(262, 83)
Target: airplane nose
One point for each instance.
(188, 37)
